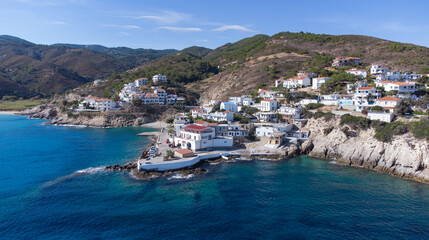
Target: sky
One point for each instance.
(161, 24)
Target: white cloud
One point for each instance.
(58, 23)
(233, 27)
(180, 29)
(400, 27)
(121, 26)
(202, 40)
(169, 17)
(124, 33)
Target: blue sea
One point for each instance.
(51, 188)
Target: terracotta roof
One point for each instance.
(196, 109)
(184, 151)
(365, 88)
(403, 83)
(267, 100)
(159, 89)
(151, 95)
(196, 128)
(212, 124)
(201, 122)
(389, 98)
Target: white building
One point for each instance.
(226, 116)
(294, 82)
(365, 91)
(243, 100)
(269, 130)
(268, 105)
(229, 106)
(214, 102)
(401, 87)
(140, 82)
(357, 72)
(196, 137)
(162, 95)
(159, 78)
(345, 61)
(332, 99)
(265, 94)
(378, 69)
(388, 102)
(382, 116)
(151, 98)
(266, 116)
(289, 113)
(98, 104)
(317, 82)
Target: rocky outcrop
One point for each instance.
(52, 112)
(405, 156)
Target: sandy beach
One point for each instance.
(157, 124)
(8, 112)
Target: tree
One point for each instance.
(169, 120)
(216, 108)
(402, 109)
(377, 109)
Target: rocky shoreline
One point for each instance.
(405, 156)
(52, 112)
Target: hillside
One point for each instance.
(28, 69)
(259, 60)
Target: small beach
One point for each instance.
(8, 112)
(157, 124)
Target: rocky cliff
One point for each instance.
(52, 112)
(405, 156)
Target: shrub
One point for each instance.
(389, 130)
(311, 106)
(420, 129)
(169, 120)
(377, 109)
(345, 130)
(355, 122)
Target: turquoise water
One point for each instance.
(42, 197)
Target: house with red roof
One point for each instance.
(197, 137)
(388, 102)
(379, 69)
(400, 87)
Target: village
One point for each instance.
(260, 124)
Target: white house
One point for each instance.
(318, 81)
(140, 82)
(268, 130)
(382, 116)
(365, 91)
(357, 72)
(229, 106)
(266, 116)
(289, 113)
(99, 104)
(401, 87)
(332, 99)
(378, 69)
(214, 102)
(268, 105)
(388, 102)
(307, 101)
(151, 98)
(294, 82)
(196, 137)
(345, 61)
(162, 95)
(265, 94)
(159, 78)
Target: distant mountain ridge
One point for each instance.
(28, 69)
(234, 68)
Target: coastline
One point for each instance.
(9, 112)
(156, 124)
